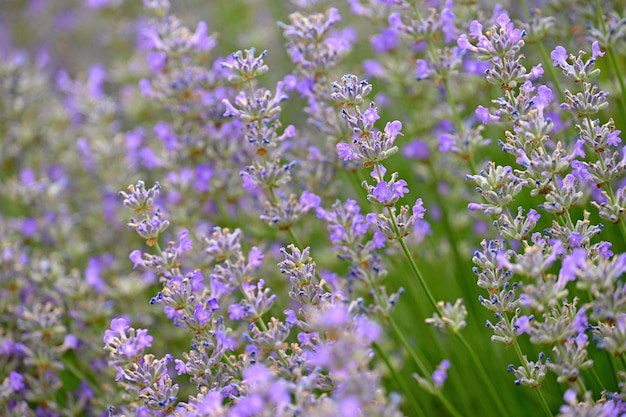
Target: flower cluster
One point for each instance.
(401, 153)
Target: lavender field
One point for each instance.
(315, 208)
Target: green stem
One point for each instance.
(544, 403)
(456, 118)
(73, 369)
(618, 74)
(445, 217)
(418, 273)
(420, 365)
(595, 376)
(434, 304)
(407, 346)
(483, 373)
(407, 391)
(621, 358)
(448, 405)
(613, 370)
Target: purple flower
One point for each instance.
(580, 322)
(536, 71)
(334, 317)
(92, 274)
(201, 39)
(309, 201)
(95, 81)
(544, 97)
(236, 312)
(136, 257)
(441, 373)
(257, 375)
(203, 316)
(447, 22)
(559, 56)
(70, 342)
(575, 240)
(384, 41)
(345, 152)
(350, 407)
(211, 404)
(416, 149)
(446, 142)
(387, 193)
(29, 227)
(118, 328)
(204, 174)
(373, 68)
(523, 324)
(157, 61)
(378, 173)
(181, 367)
(145, 87)
(164, 133)
(367, 330)
(255, 258)
(247, 406)
(595, 50)
(379, 239)
(612, 138)
(484, 115)
(476, 29)
(418, 209)
(570, 266)
(16, 381)
(465, 44)
(422, 70)
(393, 129)
(371, 115)
(143, 339)
(476, 67)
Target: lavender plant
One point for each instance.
(370, 208)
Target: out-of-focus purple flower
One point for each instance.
(345, 152)
(441, 373)
(385, 41)
(255, 258)
(29, 227)
(137, 258)
(95, 81)
(16, 381)
(373, 68)
(93, 272)
(571, 264)
(416, 149)
(476, 67)
(309, 201)
(523, 324)
(422, 71)
(70, 342)
(204, 174)
(157, 61)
